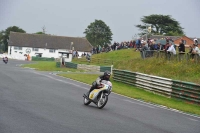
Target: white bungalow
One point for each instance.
(43, 45)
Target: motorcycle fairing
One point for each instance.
(93, 95)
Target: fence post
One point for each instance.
(111, 69)
(196, 58)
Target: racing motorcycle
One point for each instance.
(5, 60)
(100, 95)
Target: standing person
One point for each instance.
(159, 46)
(144, 50)
(142, 41)
(138, 44)
(100, 49)
(195, 50)
(171, 50)
(93, 50)
(76, 53)
(115, 45)
(195, 41)
(181, 49)
(97, 49)
(166, 47)
(190, 51)
(133, 43)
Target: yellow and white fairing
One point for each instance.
(95, 92)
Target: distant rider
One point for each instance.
(5, 59)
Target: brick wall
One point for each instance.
(188, 41)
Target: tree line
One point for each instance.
(100, 34)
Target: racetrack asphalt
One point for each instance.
(41, 102)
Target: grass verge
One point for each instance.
(128, 59)
(141, 94)
(49, 66)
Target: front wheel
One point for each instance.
(102, 101)
(85, 101)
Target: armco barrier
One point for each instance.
(71, 65)
(186, 91)
(57, 64)
(124, 76)
(42, 59)
(104, 68)
(152, 83)
(88, 67)
(173, 88)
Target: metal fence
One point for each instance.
(181, 56)
(186, 91)
(172, 88)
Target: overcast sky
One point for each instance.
(71, 17)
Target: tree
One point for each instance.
(171, 33)
(160, 24)
(98, 33)
(6, 34)
(40, 32)
(1, 41)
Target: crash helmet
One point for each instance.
(107, 75)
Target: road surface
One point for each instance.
(40, 102)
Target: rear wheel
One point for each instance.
(85, 101)
(102, 101)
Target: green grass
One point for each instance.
(141, 94)
(128, 59)
(110, 57)
(160, 67)
(49, 66)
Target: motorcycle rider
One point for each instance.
(95, 84)
(5, 59)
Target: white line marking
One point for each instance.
(159, 106)
(61, 81)
(137, 103)
(192, 119)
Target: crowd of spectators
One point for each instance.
(165, 44)
(98, 49)
(151, 44)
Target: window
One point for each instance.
(17, 48)
(35, 49)
(52, 50)
(185, 42)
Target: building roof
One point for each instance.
(160, 37)
(48, 41)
